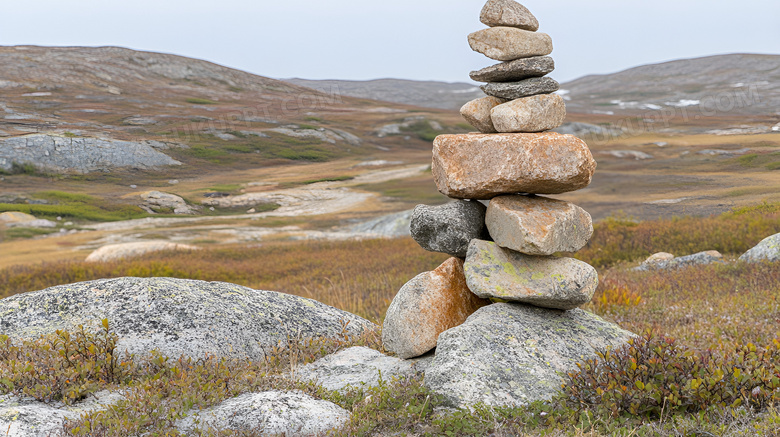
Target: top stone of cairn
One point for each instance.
(508, 13)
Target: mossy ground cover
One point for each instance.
(708, 363)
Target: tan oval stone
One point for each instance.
(508, 13)
(543, 281)
(509, 43)
(477, 113)
(529, 114)
(538, 225)
(426, 306)
(483, 166)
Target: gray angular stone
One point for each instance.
(529, 114)
(516, 70)
(538, 225)
(274, 412)
(543, 281)
(509, 43)
(483, 166)
(177, 316)
(512, 354)
(477, 113)
(767, 249)
(426, 306)
(701, 258)
(520, 89)
(449, 228)
(508, 13)
(357, 367)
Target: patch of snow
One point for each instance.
(465, 91)
(721, 152)
(603, 112)
(652, 106)
(738, 85)
(377, 163)
(36, 94)
(564, 94)
(667, 201)
(684, 103)
(637, 155)
(776, 128)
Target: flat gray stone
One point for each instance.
(512, 354)
(536, 225)
(509, 43)
(508, 13)
(273, 412)
(426, 306)
(543, 281)
(177, 316)
(357, 367)
(450, 227)
(520, 89)
(767, 249)
(477, 113)
(529, 114)
(516, 70)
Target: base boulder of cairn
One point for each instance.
(426, 306)
(510, 354)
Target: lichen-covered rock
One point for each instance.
(522, 88)
(477, 113)
(701, 258)
(449, 228)
(544, 281)
(157, 201)
(482, 166)
(658, 257)
(510, 43)
(529, 114)
(357, 367)
(177, 316)
(426, 306)
(537, 225)
(272, 412)
(10, 217)
(516, 70)
(508, 13)
(512, 354)
(767, 249)
(113, 252)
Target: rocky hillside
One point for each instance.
(197, 112)
(428, 94)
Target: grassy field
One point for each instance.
(708, 364)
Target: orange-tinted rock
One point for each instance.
(426, 306)
(482, 166)
(538, 225)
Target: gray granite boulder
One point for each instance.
(450, 227)
(177, 316)
(516, 70)
(512, 354)
(273, 412)
(358, 367)
(520, 89)
(767, 249)
(701, 258)
(544, 281)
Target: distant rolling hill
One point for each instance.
(715, 81)
(427, 94)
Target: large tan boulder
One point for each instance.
(477, 113)
(509, 43)
(113, 252)
(538, 225)
(543, 281)
(529, 114)
(16, 217)
(508, 13)
(426, 306)
(482, 166)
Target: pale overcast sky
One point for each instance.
(409, 39)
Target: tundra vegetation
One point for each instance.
(707, 361)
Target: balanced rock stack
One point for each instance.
(503, 252)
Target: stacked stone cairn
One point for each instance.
(502, 252)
